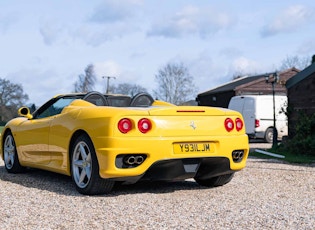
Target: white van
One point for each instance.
(257, 111)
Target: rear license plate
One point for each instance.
(192, 148)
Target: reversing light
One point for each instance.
(124, 125)
(229, 124)
(144, 125)
(239, 124)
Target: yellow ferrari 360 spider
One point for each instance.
(102, 139)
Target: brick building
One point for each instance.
(254, 85)
(301, 96)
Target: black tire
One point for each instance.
(269, 135)
(215, 181)
(85, 168)
(10, 156)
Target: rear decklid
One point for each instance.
(187, 111)
(187, 121)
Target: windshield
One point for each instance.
(54, 106)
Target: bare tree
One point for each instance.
(295, 61)
(175, 84)
(86, 81)
(128, 89)
(11, 98)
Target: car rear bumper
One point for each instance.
(181, 169)
(162, 163)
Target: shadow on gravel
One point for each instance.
(61, 184)
(42, 180)
(277, 162)
(156, 187)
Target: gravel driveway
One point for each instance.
(265, 195)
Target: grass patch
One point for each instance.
(290, 158)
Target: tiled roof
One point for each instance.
(233, 84)
(301, 75)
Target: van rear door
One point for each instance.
(246, 106)
(249, 114)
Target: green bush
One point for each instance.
(303, 143)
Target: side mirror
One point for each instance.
(25, 112)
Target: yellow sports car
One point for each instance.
(102, 139)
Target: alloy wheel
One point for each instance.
(82, 164)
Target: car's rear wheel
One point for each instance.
(215, 181)
(85, 168)
(10, 156)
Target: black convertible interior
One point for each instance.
(56, 104)
(139, 100)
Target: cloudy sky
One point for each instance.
(45, 45)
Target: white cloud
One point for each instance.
(92, 35)
(307, 47)
(291, 19)
(6, 21)
(119, 44)
(108, 21)
(50, 32)
(243, 66)
(96, 35)
(230, 52)
(41, 85)
(107, 68)
(192, 20)
(117, 72)
(110, 11)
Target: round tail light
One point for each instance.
(144, 125)
(239, 124)
(124, 125)
(229, 124)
